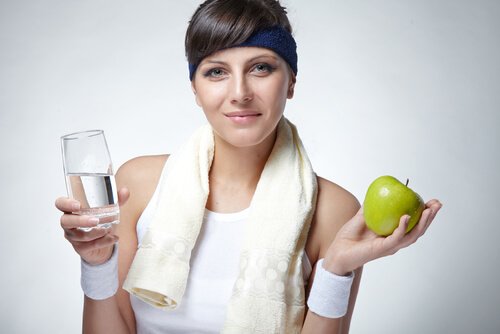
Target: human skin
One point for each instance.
(252, 84)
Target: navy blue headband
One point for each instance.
(275, 38)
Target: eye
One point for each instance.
(263, 68)
(214, 73)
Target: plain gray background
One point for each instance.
(407, 88)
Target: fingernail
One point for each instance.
(94, 221)
(75, 206)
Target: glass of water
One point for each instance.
(89, 176)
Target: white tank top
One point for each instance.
(214, 269)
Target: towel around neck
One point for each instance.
(268, 295)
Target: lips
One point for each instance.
(246, 117)
(242, 114)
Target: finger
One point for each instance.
(435, 205)
(424, 220)
(393, 241)
(123, 196)
(358, 220)
(71, 221)
(419, 229)
(67, 205)
(77, 236)
(105, 241)
(359, 217)
(431, 202)
(435, 209)
(433, 212)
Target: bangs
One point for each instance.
(222, 24)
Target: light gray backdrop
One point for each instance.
(407, 88)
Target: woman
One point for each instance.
(243, 68)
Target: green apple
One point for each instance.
(386, 201)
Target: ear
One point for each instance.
(193, 88)
(291, 85)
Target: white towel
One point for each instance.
(268, 295)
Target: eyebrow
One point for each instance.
(215, 61)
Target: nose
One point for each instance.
(241, 90)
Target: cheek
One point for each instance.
(209, 99)
(275, 93)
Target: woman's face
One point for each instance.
(243, 92)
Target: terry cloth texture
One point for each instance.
(268, 295)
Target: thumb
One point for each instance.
(357, 222)
(359, 217)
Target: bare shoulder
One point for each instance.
(141, 168)
(334, 204)
(140, 175)
(334, 207)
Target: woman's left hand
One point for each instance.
(355, 245)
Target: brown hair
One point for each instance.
(219, 24)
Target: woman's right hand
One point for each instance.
(94, 247)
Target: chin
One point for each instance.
(244, 138)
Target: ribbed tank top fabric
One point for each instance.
(214, 269)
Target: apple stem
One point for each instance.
(407, 181)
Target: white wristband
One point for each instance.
(101, 281)
(329, 296)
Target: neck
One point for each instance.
(235, 172)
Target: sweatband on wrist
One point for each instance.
(329, 296)
(276, 38)
(101, 281)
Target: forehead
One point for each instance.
(240, 53)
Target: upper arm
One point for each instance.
(140, 176)
(335, 206)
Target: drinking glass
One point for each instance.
(89, 176)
